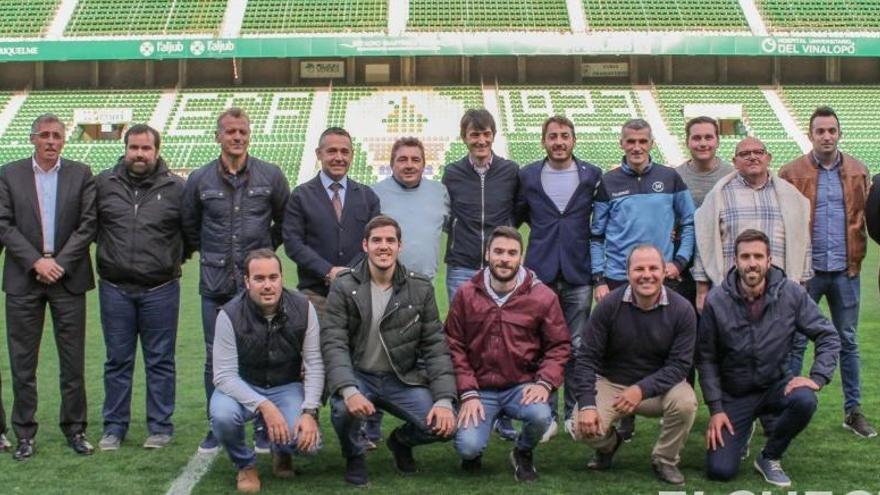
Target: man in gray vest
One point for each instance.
(267, 360)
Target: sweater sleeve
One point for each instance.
(226, 377)
(313, 376)
(683, 204)
(589, 354)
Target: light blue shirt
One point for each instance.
(829, 223)
(327, 182)
(47, 195)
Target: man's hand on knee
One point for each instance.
(588, 425)
(358, 405)
(276, 425)
(801, 381)
(306, 433)
(441, 420)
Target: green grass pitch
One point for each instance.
(826, 457)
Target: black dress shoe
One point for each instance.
(80, 445)
(24, 450)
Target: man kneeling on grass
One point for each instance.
(747, 331)
(267, 360)
(634, 356)
(384, 347)
(509, 346)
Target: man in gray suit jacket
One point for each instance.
(47, 221)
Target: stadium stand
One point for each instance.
(377, 117)
(857, 106)
(15, 142)
(667, 15)
(758, 118)
(283, 16)
(488, 15)
(821, 15)
(27, 19)
(279, 120)
(114, 18)
(597, 113)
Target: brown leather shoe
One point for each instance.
(248, 480)
(282, 465)
(668, 473)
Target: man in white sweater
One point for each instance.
(267, 360)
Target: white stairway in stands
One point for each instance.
(232, 18)
(163, 109)
(398, 16)
(11, 110)
(576, 16)
(785, 118)
(753, 17)
(61, 19)
(667, 143)
(308, 166)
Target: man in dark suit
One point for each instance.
(47, 221)
(555, 198)
(325, 219)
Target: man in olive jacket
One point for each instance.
(379, 319)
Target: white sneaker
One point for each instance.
(570, 428)
(551, 432)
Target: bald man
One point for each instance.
(752, 197)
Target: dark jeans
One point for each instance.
(409, 403)
(210, 308)
(793, 415)
(152, 315)
(25, 315)
(842, 293)
(575, 301)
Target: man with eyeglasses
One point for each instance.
(751, 198)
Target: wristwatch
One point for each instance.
(313, 412)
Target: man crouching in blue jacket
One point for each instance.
(744, 340)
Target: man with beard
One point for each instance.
(140, 250)
(47, 222)
(383, 347)
(746, 335)
(633, 358)
(267, 360)
(231, 206)
(556, 199)
(509, 346)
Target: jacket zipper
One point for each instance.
(482, 217)
(385, 348)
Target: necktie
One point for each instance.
(336, 200)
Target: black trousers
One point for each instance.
(25, 315)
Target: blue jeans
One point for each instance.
(124, 316)
(575, 301)
(455, 277)
(409, 403)
(793, 414)
(470, 442)
(210, 308)
(842, 293)
(228, 418)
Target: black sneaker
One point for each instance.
(601, 461)
(857, 423)
(472, 466)
(403, 458)
(523, 467)
(627, 427)
(356, 470)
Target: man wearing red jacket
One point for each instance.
(509, 347)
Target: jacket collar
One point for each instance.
(528, 282)
(775, 280)
(361, 273)
(161, 171)
(629, 170)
